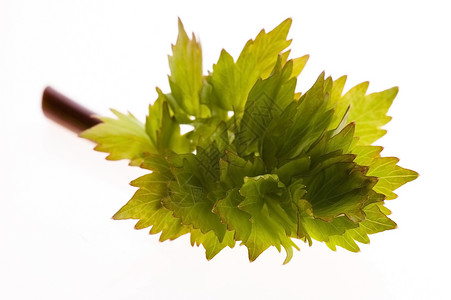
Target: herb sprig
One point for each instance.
(263, 164)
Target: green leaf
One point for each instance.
(163, 129)
(236, 219)
(264, 199)
(190, 197)
(257, 215)
(232, 81)
(211, 131)
(211, 243)
(344, 241)
(322, 231)
(234, 169)
(123, 138)
(293, 169)
(339, 188)
(332, 145)
(375, 221)
(391, 176)
(365, 155)
(147, 208)
(186, 72)
(298, 65)
(266, 102)
(340, 102)
(301, 124)
(369, 112)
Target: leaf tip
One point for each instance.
(180, 24)
(116, 216)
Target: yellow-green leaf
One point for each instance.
(123, 138)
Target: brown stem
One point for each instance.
(66, 112)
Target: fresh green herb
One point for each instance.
(263, 164)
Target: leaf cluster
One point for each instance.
(263, 165)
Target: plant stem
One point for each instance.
(67, 112)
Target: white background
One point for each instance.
(57, 196)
